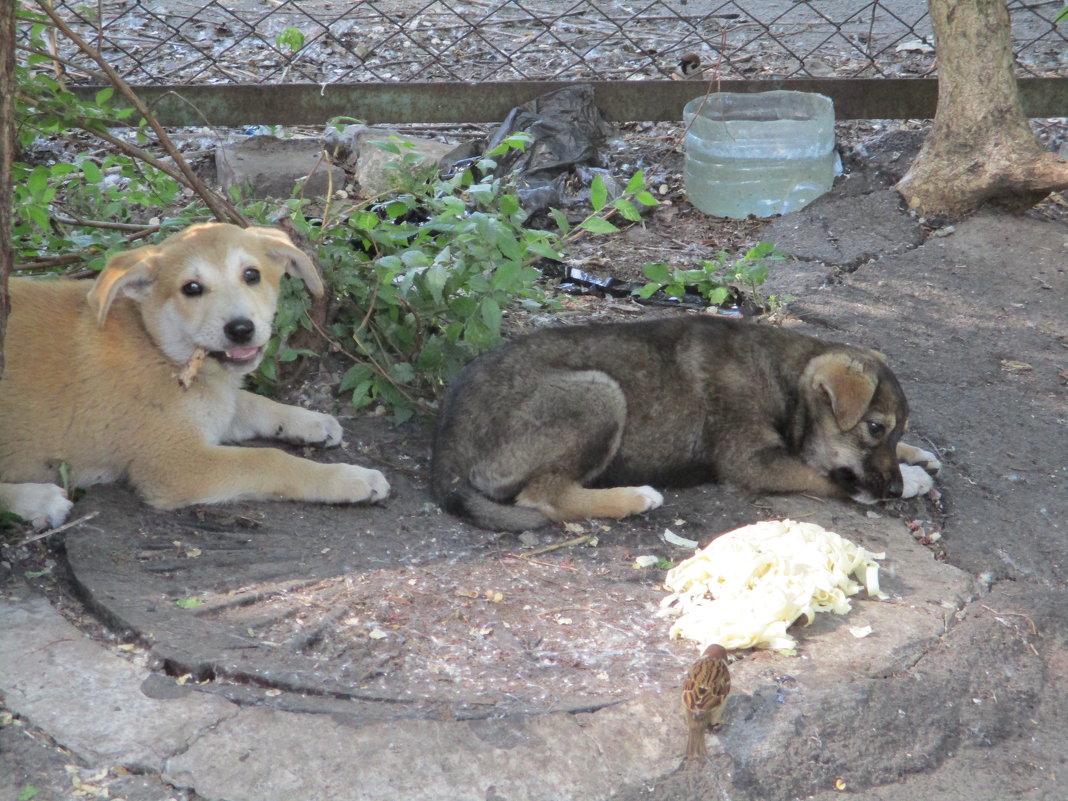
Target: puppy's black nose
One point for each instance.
(240, 330)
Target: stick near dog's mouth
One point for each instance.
(192, 367)
(235, 357)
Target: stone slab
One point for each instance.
(270, 167)
(262, 755)
(87, 699)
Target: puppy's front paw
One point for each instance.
(43, 505)
(915, 480)
(353, 484)
(313, 428)
(928, 461)
(910, 454)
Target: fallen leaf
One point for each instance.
(672, 538)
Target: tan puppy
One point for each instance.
(92, 381)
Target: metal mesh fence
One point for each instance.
(326, 41)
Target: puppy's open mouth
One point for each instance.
(236, 356)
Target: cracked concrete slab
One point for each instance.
(88, 699)
(263, 755)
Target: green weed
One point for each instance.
(717, 280)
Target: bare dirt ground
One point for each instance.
(400, 619)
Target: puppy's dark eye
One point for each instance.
(192, 289)
(251, 275)
(876, 429)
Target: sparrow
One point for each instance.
(704, 694)
(688, 66)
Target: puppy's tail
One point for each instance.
(462, 499)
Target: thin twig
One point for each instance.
(72, 66)
(75, 258)
(565, 544)
(136, 152)
(55, 261)
(109, 224)
(58, 529)
(1034, 629)
(522, 558)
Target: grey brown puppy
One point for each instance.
(577, 421)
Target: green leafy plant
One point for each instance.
(79, 210)
(422, 280)
(290, 39)
(717, 280)
(599, 222)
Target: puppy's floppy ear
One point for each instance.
(131, 272)
(847, 383)
(281, 247)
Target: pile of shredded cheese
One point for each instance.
(747, 586)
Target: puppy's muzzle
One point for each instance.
(241, 356)
(873, 486)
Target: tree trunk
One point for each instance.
(980, 148)
(7, 155)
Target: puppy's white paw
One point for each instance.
(353, 484)
(910, 454)
(43, 505)
(915, 480)
(654, 500)
(312, 428)
(927, 460)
